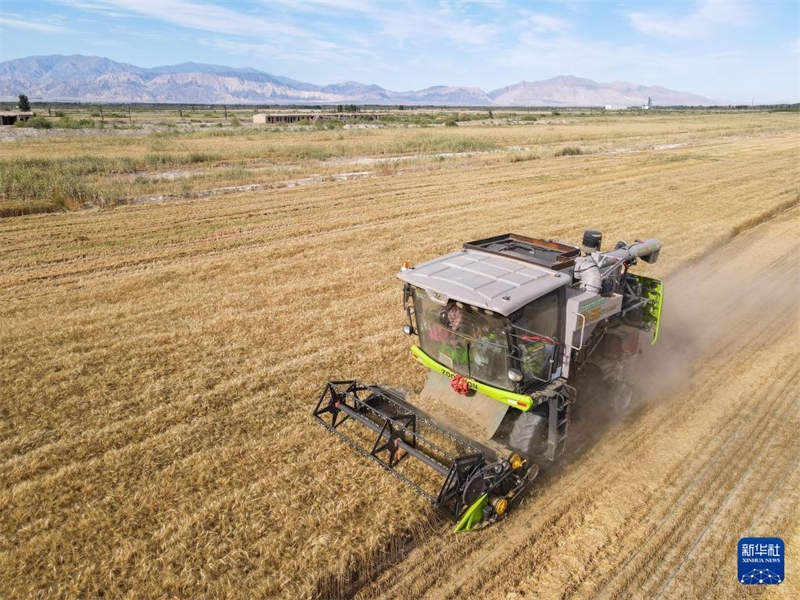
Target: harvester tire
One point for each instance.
(526, 433)
(622, 397)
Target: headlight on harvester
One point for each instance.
(408, 330)
(514, 375)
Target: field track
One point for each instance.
(159, 364)
(655, 508)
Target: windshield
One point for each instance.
(468, 340)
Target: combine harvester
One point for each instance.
(515, 331)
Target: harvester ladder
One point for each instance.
(557, 428)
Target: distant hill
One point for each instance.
(97, 79)
(569, 90)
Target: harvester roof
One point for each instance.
(484, 279)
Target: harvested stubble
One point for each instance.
(159, 363)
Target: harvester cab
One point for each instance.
(514, 331)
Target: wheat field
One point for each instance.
(160, 359)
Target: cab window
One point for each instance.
(537, 331)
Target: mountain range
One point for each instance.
(96, 79)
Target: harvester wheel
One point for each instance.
(515, 461)
(526, 433)
(500, 505)
(622, 396)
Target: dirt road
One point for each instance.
(654, 509)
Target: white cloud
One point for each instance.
(329, 6)
(94, 7)
(422, 26)
(417, 23)
(197, 15)
(535, 56)
(709, 16)
(31, 26)
(542, 23)
(315, 26)
(342, 56)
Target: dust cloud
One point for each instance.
(711, 305)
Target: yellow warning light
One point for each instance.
(405, 266)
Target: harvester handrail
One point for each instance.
(583, 329)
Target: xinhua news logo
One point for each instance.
(761, 561)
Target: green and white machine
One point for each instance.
(515, 331)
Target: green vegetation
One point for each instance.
(429, 144)
(24, 104)
(569, 151)
(50, 183)
(62, 122)
(67, 122)
(44, 185)
(161, 161)
(35, 122)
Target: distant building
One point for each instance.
(264, 118)
(615, 107)
(648, 104)
(12, 116)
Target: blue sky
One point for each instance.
(731, 51)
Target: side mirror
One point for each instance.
(406, 292)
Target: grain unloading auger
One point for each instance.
(515, 331)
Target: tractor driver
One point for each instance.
(453, 350)
(488, 352)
